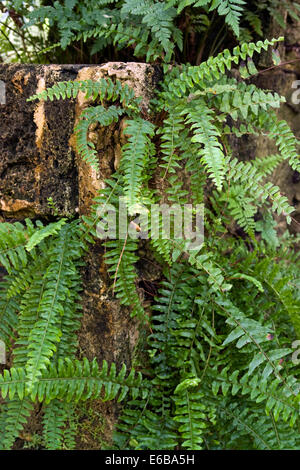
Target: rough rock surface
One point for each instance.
(37, 156)
(36, 161)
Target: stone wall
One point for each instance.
(38, 160)
(37, 156)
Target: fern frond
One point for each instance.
(268, 164)
(55, 420)
(135, 157)
(268, 272)
(46, 333)
(73, 381)
(214, 67)
(191, 414)
(157, 18)
(232, 10)
(286, 142)
(99, 114)
(207, 134)
(121, 258)
(204, 263)
(16, 416)
(247, 174)
(13, 239)
(42, 233)
(104, 88)
(8, 312)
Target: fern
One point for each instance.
(135, 157)
(57, 425)
(121, 259)
(12, 244)
(73, 380)
(232, 10)
(149, 29)
(106, 89)
(98, 114)
(46, 332)
(16, 416)
(192, 414)
(8, 316)
(217, 370)
(207, 134)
